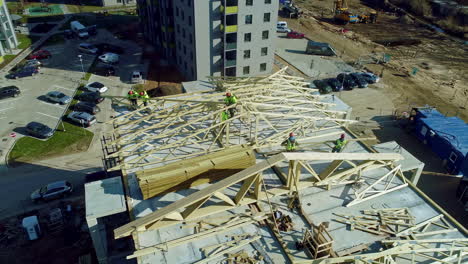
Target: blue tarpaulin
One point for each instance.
(446, 136)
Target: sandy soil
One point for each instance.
(442, 77)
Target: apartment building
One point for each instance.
(8, 39)
(212, 37)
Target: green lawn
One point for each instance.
(74, 139)
(24, 41)
(6, 59)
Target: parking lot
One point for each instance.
(63, 72)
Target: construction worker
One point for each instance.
(132, 97)
(144, 97)
(229, 100)
(339, 144)
(224, 115)
(290, 143)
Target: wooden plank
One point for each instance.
(341, 156)
(128, 228)
(221, 253)
(191, 208)
(224, 197)
(244, 188)
(330, 169)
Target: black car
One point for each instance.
(9, 91)
(359, 80)
(92, 97)
(68, 34)
(39, 130)
(24, 72)
(323, 86)
(104, 70)
(335, 84)
(87, 107)
(92, 30)
(104, 48)
(347, 81)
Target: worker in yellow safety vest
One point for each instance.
(290, 143)
(224, 116)
(229, 100)
(339, 144)
(132, 97)
(144, 97)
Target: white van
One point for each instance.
(79, 29)
(282, 24)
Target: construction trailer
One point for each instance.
(320, 48)
(218, 219)
(446, 136)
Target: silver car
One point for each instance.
(82, 118)
(58, 97)
(51, 191)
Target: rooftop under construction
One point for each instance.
(200, 189)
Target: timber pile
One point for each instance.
(195, 171)
(382, 222)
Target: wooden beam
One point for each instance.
(191, 208)
(244, 188)
(319, 156)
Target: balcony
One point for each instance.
(230, 46)
(229, 63)
(231, 10)
(231, 29)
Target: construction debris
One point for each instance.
(317, 243)
(218, 250)
(382, 222)
(242, 257)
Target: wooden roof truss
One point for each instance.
(190, 125)
(245, 187)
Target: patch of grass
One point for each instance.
(73, 139)
(41, 19)
(87, 76)
(6, 59)
(24, 41)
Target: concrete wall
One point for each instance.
(256, 28)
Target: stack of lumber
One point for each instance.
(195, 171)
(385, 222)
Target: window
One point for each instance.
(262, 67)
(265, 34)
(266, 17)
(185, 50)
(182, 14)
(246, 54)
(178, 28)
(267, 1)
(248, 2)
(185, 64)
(183, 32)
(190, 38)
(264, 51)
(247, 37)
(246, 70)
(190, 20)
(248, 19)
(177, 11)
(191, 56)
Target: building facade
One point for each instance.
(212, 37)
(8, 40)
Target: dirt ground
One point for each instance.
(441, 61)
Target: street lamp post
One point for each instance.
(81, 62)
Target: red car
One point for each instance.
(295, 35)
(39, 55)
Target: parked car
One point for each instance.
(109, 58)
(283, 29)
(58, 97)
(52, 191)
(335, 84)
(82, 118)
(68, 34)
(359, 80)
(323, 86)
(105, 47)
(39, 130)
(295, 35)
(104, 70)
(137, 77)
(23, 72)
(96, 87)
(88, 48)
(347, 81)
(92, 30)
(33, 63)
(39, 55)
(370, 77)
(9, 91)
(93, 97)
(87, 107)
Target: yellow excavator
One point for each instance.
(344, 16)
